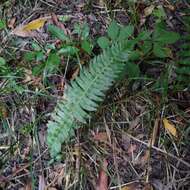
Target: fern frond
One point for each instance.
(183, 67)
(84, 94)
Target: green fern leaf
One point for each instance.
(83, 95)
(183, 66)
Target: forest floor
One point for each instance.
(138, 138)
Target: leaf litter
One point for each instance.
(91, 154)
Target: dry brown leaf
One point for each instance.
(18, 31)
(28, 30)
(103, 178)
(170, 127)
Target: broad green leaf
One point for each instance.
(160, 26)
(144, 35)
(71, 50)
(87, 46)
(167, 37)
(103, 42)
(159, 12)
(113, 30)
(85, 31)
(2, 24)
(39, 56)
(132, 70)
(160, 51)
(135, 55)
(35, 55)
(57, 32)
(126, 32)
(82, 30)
(52, 62)
(164, 36)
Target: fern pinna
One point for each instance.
(183, 67)
(83, 94)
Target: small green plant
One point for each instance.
(161, 39)
(158, 41)
(69, 47)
